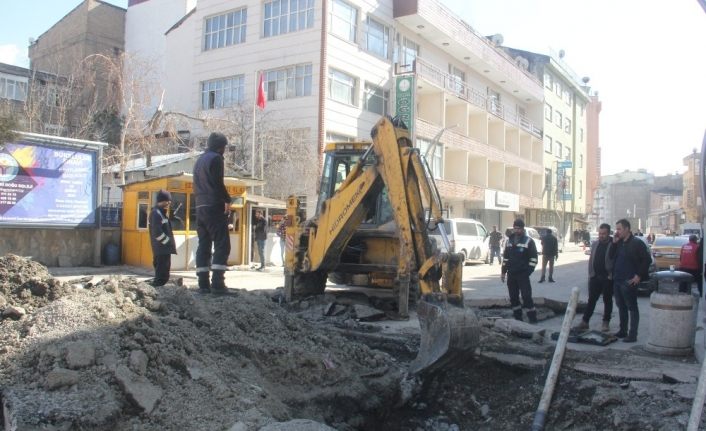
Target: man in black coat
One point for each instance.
(162, 239)
(600, 268)
(212, 210)
(550, 253)
(631, 264)
(519, 261)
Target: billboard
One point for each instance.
(47, 185)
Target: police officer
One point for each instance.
(519, 260)
(212, 208)
(161, 239)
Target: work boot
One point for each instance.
(630, 339)
(204, 283)
(517, 314)
(541, 280)
(621, 334)
(218, 283)
(582, 326)
(605, 327)
(532, 316)
(551, 280)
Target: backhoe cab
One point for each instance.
(377, 202)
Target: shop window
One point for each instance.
(177, 211)
(142, 215)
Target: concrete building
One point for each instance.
(666, 212)
(332, 68)
(593, 155)
(625, 195)
(693, 207)
(565, 154)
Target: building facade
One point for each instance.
(625, 195)
(331, 68)
(593, 155)
(693, 207)
(666, 211)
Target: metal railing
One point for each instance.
(111, 215)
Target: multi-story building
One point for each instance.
(693, 207)
(565, 141)
(332, 68)
(593, 154)
(666, 210)
(625, 195)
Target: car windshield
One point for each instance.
(669, 241)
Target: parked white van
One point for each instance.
(466, 236)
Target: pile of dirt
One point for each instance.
(121, 354)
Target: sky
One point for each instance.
(646, 59)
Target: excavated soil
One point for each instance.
(119, 354)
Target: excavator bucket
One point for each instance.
(448, 333)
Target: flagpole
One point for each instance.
(252, 152)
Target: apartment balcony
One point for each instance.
(442, 28)
(433, 75)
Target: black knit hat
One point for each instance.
(519, 223)
(163, 196)
(217, 141)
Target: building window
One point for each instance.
(409, 51)
(567, 97)
(337, 137)
(557, 88)
(342, 87)
(567, 125)
(581, 134)
(377, 38)
(344, 20)
(547, 179)
(13, 90)
(435, 159)
(225, 30)
(583, 108)
(580, 189)
(376, 99)
(288, 82)
(222, 93)
(567, 153)
(580, 160)
(547, 144)
(287, 16)
(548, 112)
(557, 119)
(548, 81)
(558, 149)
(457, 80)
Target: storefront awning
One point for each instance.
(265, 202)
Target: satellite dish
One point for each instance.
(585, 79)
(522, 62)
(562, 53)
(497, 39)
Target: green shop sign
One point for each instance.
(404, 100)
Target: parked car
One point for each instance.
(466, 236)
(666, 250)
(542, 229)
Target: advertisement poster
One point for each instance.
(44, 185)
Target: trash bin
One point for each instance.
(673, 314)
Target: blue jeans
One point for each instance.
(495, 251)
(626, 301)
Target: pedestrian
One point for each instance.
(494, 240)
(690, 261)
(162, 239)
(576, 236)
(550, 253)
(519, 261)
(282, 234)
(599, 279)
(212, 211)
(631, 262)
(260, 228)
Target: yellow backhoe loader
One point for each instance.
(377, 203)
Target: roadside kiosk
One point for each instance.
(140, 197)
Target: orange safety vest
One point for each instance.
(689, 256)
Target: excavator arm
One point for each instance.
(447, 328)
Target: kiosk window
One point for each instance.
(177, 211)
(142, 215)
(192, 212)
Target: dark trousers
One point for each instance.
(550, 260)
(626, 301)
(698, 278)
(162, 264)
(520, 285)
(261, 251)
(495, 251)
(596, 288)
(212, 230)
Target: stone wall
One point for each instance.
(56, 247)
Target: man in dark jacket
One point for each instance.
(494, 240)
(260, 229)
(519, 261)
(631, 263)
(599, 279)
(212, 208)
(550, 252)
(162, 239)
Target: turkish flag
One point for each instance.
(261, 98)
